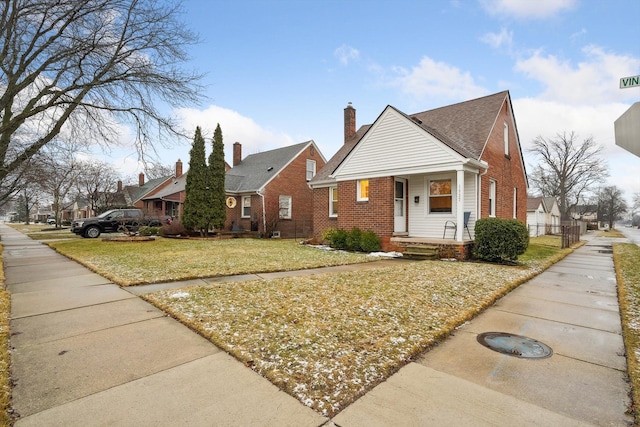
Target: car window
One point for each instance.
(116, 215)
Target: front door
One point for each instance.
(399, 207)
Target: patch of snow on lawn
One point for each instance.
(180, 295)
(386, 254)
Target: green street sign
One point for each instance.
(626, 82)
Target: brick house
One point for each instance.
(415, 178)
(267, 192)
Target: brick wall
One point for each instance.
(376, 214)
(321, 219)
(291, 181)
(507, 171)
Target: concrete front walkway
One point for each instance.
(89, 353)
(86, 352)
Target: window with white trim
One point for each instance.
(333, 201)
(311, 169)
(505, 137)
(492, 198)
(246, 207)
(363, 190)
(284, 204)
(440, 197)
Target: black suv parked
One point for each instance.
(112, 221)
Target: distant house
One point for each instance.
(415, 178)
(267, 192)
(124, 196)
(543, 216)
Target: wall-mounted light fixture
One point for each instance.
(416, 199)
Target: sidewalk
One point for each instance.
(87, 352)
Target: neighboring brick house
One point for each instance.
(406, 177)
(267, 192)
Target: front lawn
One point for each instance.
(327, 339)
(626, 256)
(162, 260)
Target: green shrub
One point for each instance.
(369, 242)
(149, 231)
(353, 239)
(327, 235)
(338, 239)
(500, 240)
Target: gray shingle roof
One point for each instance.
(464, 127)
(256, 170)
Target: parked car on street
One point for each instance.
(113, 221)
(51, 221)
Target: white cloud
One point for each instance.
(504, 38)
(436, 79)
(592, 81)
(235, 128)
(346, 54)
(524, 9)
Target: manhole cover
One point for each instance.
(515, 345)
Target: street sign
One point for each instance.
(632, 81)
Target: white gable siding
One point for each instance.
(394, 145)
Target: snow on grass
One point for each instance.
(626, 258)
(326, 339)
(163, 260)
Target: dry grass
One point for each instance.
(5, 357)
(162, 260)
(326, 339)
(626, 256)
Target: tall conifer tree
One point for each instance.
(217, 174)
(196, 214)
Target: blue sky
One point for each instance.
(281, 72)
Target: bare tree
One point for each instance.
(97, 182)
(58, 170)
(611, 205)
(158, 170)
(86, 67)
(568, 170)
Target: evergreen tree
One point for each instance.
(217, 174)
(196, 214)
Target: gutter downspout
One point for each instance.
(264, 219)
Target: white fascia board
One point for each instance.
(470, 165)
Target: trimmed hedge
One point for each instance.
(355, 240)
(500, 240)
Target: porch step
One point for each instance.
(421, 252)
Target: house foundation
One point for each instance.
(446, 248)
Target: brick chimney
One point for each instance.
(349, 122)
(178, 168)
(119, 186)
(237, 153)
(141, 179)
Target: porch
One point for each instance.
(442, 248)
